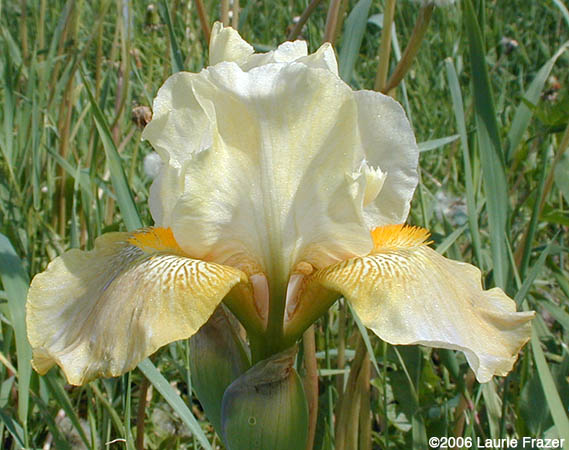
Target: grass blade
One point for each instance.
(352, 39)
(490, 149)
(161, 384)
(551, 394)
(175, 54)
(125, 199)
(15, 282)
(436, 143)
(563, 9)
(461, 125)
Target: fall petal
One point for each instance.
(99, 313)
(409, 294)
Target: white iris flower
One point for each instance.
(280, 190)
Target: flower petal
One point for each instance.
(409, 294)
(179, 126)
(274, 185)
(225, 44)
(389, 144)
(99, 313)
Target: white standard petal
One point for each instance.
(225, 44)
(273, 186)
(389, 143)
(179, 126)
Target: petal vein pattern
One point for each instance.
(99, 313)
(409, 294)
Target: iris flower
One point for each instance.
(281, 189)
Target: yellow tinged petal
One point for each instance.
(409, 294)
(99, 313)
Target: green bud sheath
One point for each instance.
(265, 408)
(217, 357)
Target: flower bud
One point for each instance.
(265, 408)
(217, 357)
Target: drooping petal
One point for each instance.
(389, 143)
(99, 313)
(409, 294)
(275, 184)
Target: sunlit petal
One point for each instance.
(389, 144)
(99, 313)
(226, 45)
(409, 294)
(275, 184)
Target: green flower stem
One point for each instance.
(412, 47)
(385, 45)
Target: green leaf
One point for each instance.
(490, 149)
(561, 176)
(175, 54)
(167, 391)
(15, 281)
(563, 9)
(436, 143)
(125, 199)
(550, 390)
(352, 39)
(458, 108)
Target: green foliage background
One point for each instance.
(71, 74)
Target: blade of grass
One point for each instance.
(14, 429)
(490, 148)
(352, 39)
(58, 393)
(176, 57)
(436, 143)
(458, 108)
(563, 9)
(170, 395)
(15, 281)
(528, 237)
(556, 407)
(125, 199)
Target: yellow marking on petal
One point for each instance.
(99, 313)
(407, 293)
(155, 240)
(399, 236)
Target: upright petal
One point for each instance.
(99, 313)
(389, 143)
(275, 184)
(225, 44)
(409, 294)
